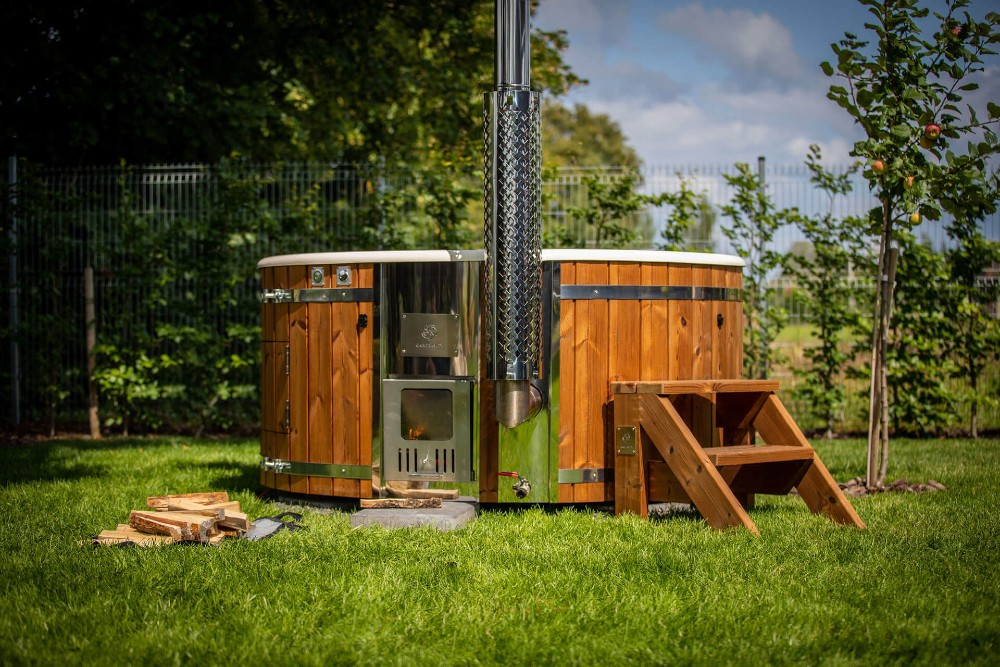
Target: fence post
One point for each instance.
(13, 317)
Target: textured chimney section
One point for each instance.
(513, 188)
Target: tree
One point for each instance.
(96, 81)
(611, 208)
(578, 137)
(976, 340)
(905, 97)
(754, 222)
(835, 244)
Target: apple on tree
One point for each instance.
(878, 166)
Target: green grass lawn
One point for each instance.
(919, 585)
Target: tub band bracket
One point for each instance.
(322, 295)
(649, 293)
(584, 475)
(305, 469)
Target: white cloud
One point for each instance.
(758, 46)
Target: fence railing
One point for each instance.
(158, 236)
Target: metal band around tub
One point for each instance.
(316, 469)
(317, 295)
(650, 292)
(583, 475)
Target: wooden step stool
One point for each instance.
(693, 441)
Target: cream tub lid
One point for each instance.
(552, 255)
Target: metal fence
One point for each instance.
(131, 223)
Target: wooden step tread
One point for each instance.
(747, 454)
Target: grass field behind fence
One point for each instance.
(920, 585)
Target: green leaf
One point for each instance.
(993, 110)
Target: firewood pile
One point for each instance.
(206, 518)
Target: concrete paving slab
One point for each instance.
(450, 516)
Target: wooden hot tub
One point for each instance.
(346, 335)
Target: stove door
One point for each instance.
(427, 429)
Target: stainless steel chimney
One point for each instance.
(512, 184)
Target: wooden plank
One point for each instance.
(280, 441)
(704, 387)
(703, 420)
(399, 503)
(698, 477)
(630, 470)
(345, 393)
(771, 478)
(567, 380)
(591, 348)
(818, 488)
(716, 327)
(747, 454)
(701, 329)
(279, 331)
(366, 377)
(736, 413)
(655, 326)
(320, 387)
(625, 357)
(732, 329)
(204, 498)
(298, 384)
(681, 314)
(663, 485)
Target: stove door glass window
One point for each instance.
(426, 414)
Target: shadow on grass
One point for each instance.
(44, 462)
(55, 460)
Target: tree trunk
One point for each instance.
(90, 319)
(878, 412)
(890, 283)
(974, 408)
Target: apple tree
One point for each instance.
(903, 83)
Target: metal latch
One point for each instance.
(276, 296)
(275, 465)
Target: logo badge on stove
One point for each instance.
(429, 333)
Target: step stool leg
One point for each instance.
(686, 459)
(630, 469)
(818, 488)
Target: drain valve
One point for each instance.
(522, 487)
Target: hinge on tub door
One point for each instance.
(288, 415)
(288, 360)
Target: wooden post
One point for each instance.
(90, 319)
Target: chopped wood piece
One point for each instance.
(126, 533)
(216, 539)
(193, 526)
(185, 505)
(147, 524)
(205, 498)
(235, 520)
(399, 490)
(399, 503)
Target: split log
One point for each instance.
(147, 524)
(192, 526)
(399, 490)
(185, 505)
(206, 498)
(125, 533)
(235, 520)
(399, 503)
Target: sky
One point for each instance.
(695, 82)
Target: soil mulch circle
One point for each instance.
(856, 487)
